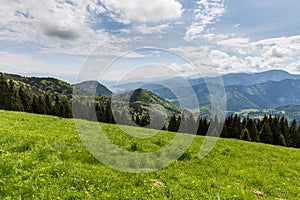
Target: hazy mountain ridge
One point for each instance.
(94, 87)
(244, 79)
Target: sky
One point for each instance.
(86, 39)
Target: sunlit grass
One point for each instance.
(42, 157)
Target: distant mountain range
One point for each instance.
(274, 90)
(248, 79)
(243, 79)
(263, 90)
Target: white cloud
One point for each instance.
(53, 25)
(208, 12)
(151, 29)
(247, 55)
(144, 11)
(224, 62)
(234, 42)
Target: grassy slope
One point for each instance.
(42, 158)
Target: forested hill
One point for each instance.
(36, 85)
(53, 97)
(39, 95)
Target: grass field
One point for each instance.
(42, 157)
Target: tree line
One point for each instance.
(275, 130)
(16, 96)
(270, 129)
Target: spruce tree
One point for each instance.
(172, 124)
(48, 105)
(265, 135)
(41, 105)
(34, 104)
(284, 129)
(245, 135)
(251, 126)
(137, 120)
(224, 133)
(25, 99)
(275, 129)
(292, 134)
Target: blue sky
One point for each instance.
(81, 38)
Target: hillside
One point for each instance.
(147, 98)
(42, 157)
(37, 85)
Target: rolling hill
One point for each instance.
(42, 157)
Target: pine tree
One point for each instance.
(13, 99)
(245, 135)
(65, 108)
(202, 127)
(34, 104)
(137, 120)
(275, 129)
(235, 127)
(144, 121)
(172, 124)
(224, 133)
(292, 134)
(284, 129)
(48, 105)
(25, 99)
(56, 109)
(251, 126)
(265, 135)
(41, 105)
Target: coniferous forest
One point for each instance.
(20, 95)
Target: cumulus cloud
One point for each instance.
(252, 56)
(208, 12)
(144, 11)
(278, 52)
(51, 24)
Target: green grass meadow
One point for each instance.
(42, 157)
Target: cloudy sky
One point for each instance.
(55, 37)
